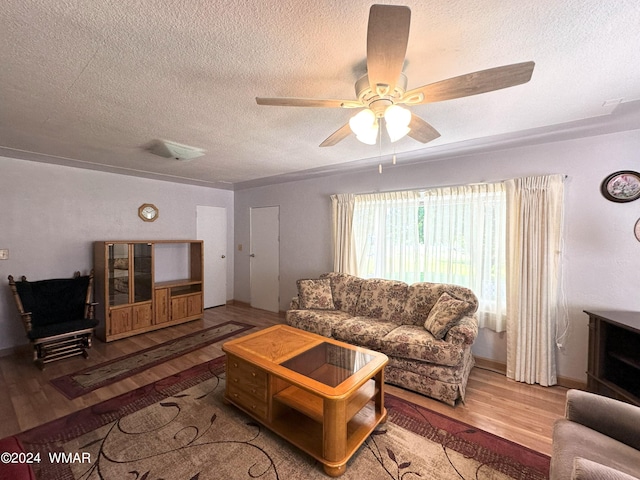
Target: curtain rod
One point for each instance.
(420, 189)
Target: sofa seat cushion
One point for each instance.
(414, 342)
(381, 298)
(447, 384)
(315, 294)
(320, 322)
(572, 440)
(363, 331)
(444, 373)
(422, 296)
(345, 289)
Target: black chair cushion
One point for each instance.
(54, 301)
(58, 328)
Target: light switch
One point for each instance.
(4, 254)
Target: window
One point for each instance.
(444, 235)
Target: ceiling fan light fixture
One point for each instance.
(397, 121)
(396, 133)
(362, 121)
(365, 125)
(370, 135)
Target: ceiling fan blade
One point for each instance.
(421, 130)
(308, 102)
(337, 136)
(387, 38)
(471, 84)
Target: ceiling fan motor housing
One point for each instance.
(376, 102)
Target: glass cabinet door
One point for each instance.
(118, 274)
(142, 280)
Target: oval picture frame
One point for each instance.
(622, 186)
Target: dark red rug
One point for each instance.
(80, 383)
(178, 427)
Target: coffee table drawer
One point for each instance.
(246, 400)
(247, 378)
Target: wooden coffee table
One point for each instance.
(323, 396)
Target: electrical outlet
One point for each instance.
(4, 254)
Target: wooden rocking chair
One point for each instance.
(57, 314)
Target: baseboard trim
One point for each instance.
(500, 367)
(491, 365)
(17, 349)
(238, 303)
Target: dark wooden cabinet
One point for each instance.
(614, 354)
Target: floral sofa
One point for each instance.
(426, 329)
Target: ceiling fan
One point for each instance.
(381, 92)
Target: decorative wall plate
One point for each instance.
(636, 230)
(622, 186)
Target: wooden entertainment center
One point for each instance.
(614, 354)
(146, 285)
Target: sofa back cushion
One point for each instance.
(445, 314)
(345, 289)
(422, 297)
(315, 294)
(381, 298)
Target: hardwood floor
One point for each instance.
(521, 413)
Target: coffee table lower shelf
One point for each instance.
(307, 433)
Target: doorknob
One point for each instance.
(252, 255)
(223, 256)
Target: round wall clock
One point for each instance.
(622, 186)
(148, 212)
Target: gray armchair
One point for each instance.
(598, 440)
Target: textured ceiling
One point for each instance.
(91, 84)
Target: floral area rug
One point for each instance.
(80, 383)
(179, 428)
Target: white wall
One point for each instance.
(601, 255)
(50, 215)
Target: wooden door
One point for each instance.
(141, 314)
(194, 304)
(120, 321)
(161, 305)
(178, 308)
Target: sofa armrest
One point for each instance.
(294, 304)
(584, 469)
(464, 332)
(613, 418)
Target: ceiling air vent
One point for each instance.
(167, 149)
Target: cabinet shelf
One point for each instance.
(614, 355)
(633, 362)
(177, 283)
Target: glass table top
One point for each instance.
(328, 363)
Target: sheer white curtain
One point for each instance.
(464, 244)
(534, 230)
(344, 259)
(444, 235)
(385, 228)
